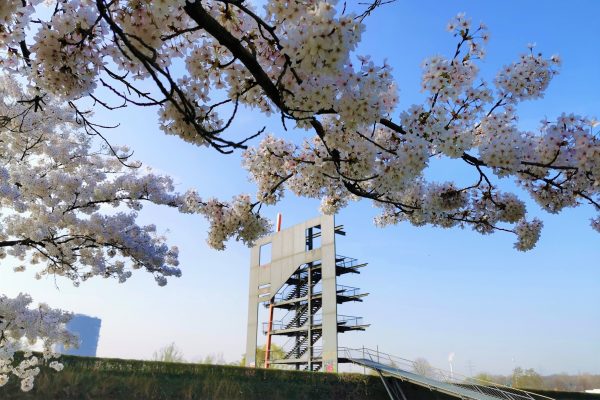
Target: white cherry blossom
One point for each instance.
(21, 325)
(298, 59)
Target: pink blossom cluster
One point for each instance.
(297, 59)
(227, 220)
(21, 325)
(527, 78)
(58, 184)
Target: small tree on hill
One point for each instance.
(170, 353)
(526, 379)
(422, 367)
(277, 353)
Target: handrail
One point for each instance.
(346, 320)
(317, 351)
(482, 386)
(344, 260)
(348, 291)
(341, 290)
(286, 293)
(349, 320)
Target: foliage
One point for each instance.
(276, 351)
(526, 379)
(18, 324)
(214, 359)
(297, 59)
(169, 353)
(531, 379)
(501, 380)
(422, 367)
(54, 187)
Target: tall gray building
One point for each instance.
(88, 330)
(294, 274)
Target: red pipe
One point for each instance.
(268, 346)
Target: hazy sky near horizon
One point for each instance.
(432, 291)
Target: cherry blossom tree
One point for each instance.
(296, 60)
(69, 209)
(197, 63)
(19, 323)
(55, 188)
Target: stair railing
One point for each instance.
(482, 386)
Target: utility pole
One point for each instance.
(470, 366)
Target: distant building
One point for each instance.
(88, 330)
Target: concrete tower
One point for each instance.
(294, 274)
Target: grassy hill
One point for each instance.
(116, 379)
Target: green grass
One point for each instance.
(116, 379)
(95, 378)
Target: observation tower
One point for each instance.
(293, 273)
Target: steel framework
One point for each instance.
(299, 286)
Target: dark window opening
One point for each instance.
(313, 237)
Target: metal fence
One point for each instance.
(473, 384)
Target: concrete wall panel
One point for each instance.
(288, 252)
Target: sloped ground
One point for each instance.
(115, 379)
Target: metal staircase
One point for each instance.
(296, 288)
(302, 299)
(302, 315)
(300, 289)
(301, 347)
(296, 308)
(314, 368)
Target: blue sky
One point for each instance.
(433, 291)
